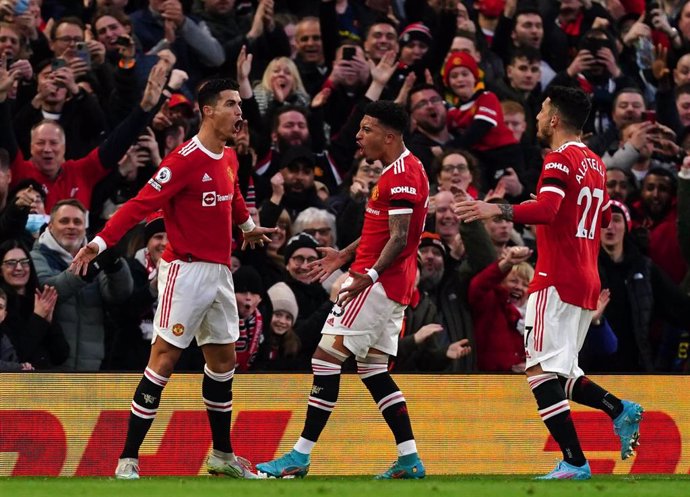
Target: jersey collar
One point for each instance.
(399, 159)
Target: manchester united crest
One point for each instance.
(375, 193)
(178, 329)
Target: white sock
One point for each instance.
(407, 447)
(304, 446)
(225, 456)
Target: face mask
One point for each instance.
(35, 222)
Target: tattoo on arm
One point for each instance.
(348, 253)
(398, 226)
(506, 211)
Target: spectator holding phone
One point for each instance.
(113, 29)
(595, 70)
(47, 165)
(60, 98)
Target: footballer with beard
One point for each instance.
(570, 208)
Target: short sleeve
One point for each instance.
(556, 174)
(488, 108)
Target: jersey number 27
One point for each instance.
(588, 223)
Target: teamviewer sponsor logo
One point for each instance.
(208, 199)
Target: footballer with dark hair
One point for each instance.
(570, 208)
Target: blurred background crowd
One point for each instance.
(94, 93)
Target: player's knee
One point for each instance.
(331, 348)
(371, 365)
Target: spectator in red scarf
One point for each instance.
(248, 291)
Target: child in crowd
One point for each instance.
(476, 118)
(248, 291)
(497, 297)
(282, 345)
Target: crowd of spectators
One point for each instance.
(94, 93)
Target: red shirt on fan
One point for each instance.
(402, 189)
(76, 178)
(201, 199)
(483, 105)
(572, 206)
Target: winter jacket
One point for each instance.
(80, 307)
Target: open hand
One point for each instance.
(80, 263)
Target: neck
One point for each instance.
(441, 137)
(55, 108)
(615, 252)
(559, 138)
(487, 23)
(210, 138)
(390, 155)
(21, 290)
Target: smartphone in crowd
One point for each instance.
(83, 53)
(57, 64)
(122, 41)
(349, 53)
(649, 115)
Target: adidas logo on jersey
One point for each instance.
(206, 178)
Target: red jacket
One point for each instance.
(498, 344)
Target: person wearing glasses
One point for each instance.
(320, 224)
(29, 324)
(430, 135)
(300, 251)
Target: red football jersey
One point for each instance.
(76, 178)
(201, 199)
(402, 189)
(486, 107)
(568, 246)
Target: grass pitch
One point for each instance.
(437, 486)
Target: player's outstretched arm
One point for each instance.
(473, 210)
(331, 259)
(80, 263)
(257, 236)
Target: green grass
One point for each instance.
(441, 486)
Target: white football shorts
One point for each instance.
(555, 332)
(371, 320)
(196, 299)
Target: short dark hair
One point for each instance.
(420, 87)
(379, 20)
(527, 8)
(530, 53)
(67, 201)
(287, 108)
(389, 114)
(682, 90)
(66, 20)
(627, 89)
(208, 92)
(572, 104)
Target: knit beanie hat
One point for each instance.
(154, 224)
(283, 299)
(415, 32)
(300, 240)
(429, 239)
(621, 208)
(247, 279)
(459, 59)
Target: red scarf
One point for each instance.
(247, 345)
